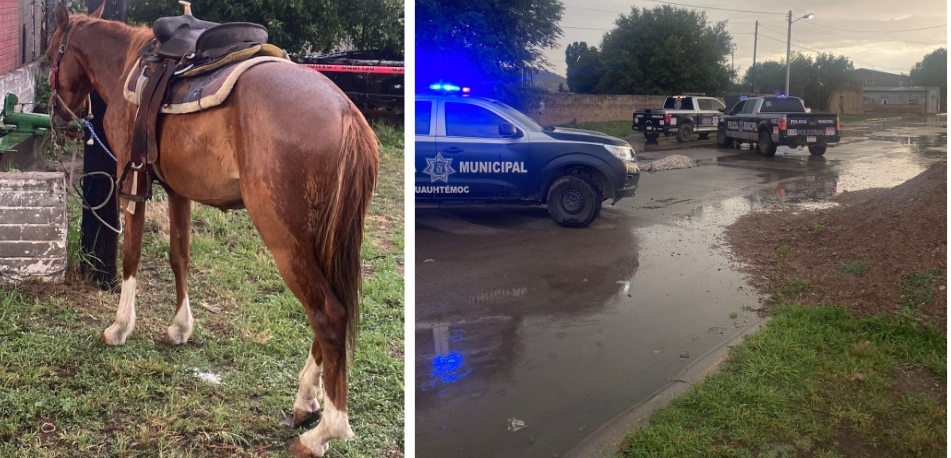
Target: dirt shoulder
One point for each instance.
(879, 251)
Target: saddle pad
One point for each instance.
(194, 93)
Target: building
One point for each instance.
(884, 92)
(22, 42)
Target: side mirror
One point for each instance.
(508, 130)
(722, 110)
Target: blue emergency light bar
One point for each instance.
(447, 87)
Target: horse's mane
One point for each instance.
(139, 34)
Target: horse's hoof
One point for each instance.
(299, 450)
(175, 336)
(112, 339)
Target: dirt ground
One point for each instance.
(818, 256)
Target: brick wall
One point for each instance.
(560, 108)
(32, 226)
(9, 35)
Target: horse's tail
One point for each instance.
(340, 240)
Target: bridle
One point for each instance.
(57, 104)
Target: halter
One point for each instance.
(54, 82)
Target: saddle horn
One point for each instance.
(188, 7)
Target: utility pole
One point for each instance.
(753, 68)
(788, 43)
(732, 50)
(96, 239)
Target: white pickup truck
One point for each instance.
(681, 116)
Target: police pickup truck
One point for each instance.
(681, 116)
(477, 150)
(772, 121)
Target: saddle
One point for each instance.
(183, 47)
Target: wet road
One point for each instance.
(564, 329)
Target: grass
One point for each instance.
(619, 129)
(817, 228)
(783, 253)
(65, 394)
(855, 267)
(815, 382)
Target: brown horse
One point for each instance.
(289, 147)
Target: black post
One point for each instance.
(97, 240)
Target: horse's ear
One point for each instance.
(98, 13)
(62, 16)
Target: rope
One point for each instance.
(92, 132)
(77, 188)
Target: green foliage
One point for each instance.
(817, 227)
(784, 252)
(619, 129)
(812, 378)
(41, 92)
(932, 70)
(916, 289)
(814, 81)
(665, 50)
(584, 67)
(490, 45)
(299, 26)
(794, 287)
(855, 267)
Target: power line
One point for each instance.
(583, 28)
(878, 31)
(713, 8)
(592, 9)
(867, 38)
(830, 52)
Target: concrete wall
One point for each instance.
(32, 226)
(846, 102)
(875, 108)
(20, 82)
(556, 108)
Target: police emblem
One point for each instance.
(438, 168)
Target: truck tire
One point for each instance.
(651, 136)
(722, 139)
(817, 150)
(766, 145)
(574, 201)
(684, 132)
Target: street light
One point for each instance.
(788, 38)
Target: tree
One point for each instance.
(932, 70)
(814, 81)
(665, 50)
(490, 45)
(299, 26)
(584, 67)
(765, 77)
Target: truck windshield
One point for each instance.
(782, 106)
(518, 116)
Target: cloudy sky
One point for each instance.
(871, 33)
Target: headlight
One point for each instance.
(624, 153)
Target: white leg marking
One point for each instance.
(334, 424)
(182, 325)
(310, 391)
(125, 316)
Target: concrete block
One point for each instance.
(33, 226)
